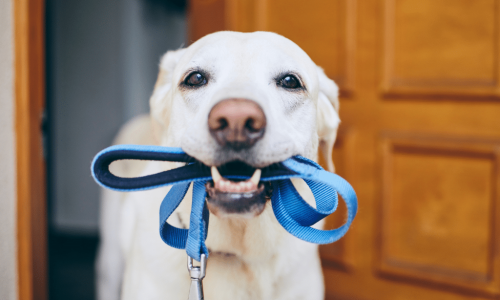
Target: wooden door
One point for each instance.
(31, 208)
(420, 136)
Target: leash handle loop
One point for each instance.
(290, 209)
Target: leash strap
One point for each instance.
(290, 209)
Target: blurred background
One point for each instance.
(419, 139)
(102, 63)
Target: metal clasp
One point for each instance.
(197, 274)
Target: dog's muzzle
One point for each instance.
(242, 198)
(236, 125)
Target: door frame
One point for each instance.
(29, 88)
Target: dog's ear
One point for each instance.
(327, 117)
(161, 99)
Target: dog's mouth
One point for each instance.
(237, 197)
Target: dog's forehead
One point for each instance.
(226, 50)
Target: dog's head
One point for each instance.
(244, 100)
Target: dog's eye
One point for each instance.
(195, 79)
(290, 82)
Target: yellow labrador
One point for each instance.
(248, 98)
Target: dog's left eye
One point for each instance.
(290, 82)
(195, 79)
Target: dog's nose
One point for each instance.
(237, 123)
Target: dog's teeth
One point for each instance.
(223, 184)
(256, 177)
(249, 185)
(215, 174)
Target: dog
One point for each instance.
(251, 98)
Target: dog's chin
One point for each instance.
(227, 198)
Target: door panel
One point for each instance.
(437, 212)
(444, 46)
(419, 139)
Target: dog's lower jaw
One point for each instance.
(244, 205)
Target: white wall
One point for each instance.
(8, 274)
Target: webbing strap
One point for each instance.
(290, 209)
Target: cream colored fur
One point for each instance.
(266, 262)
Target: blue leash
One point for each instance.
(291, 211)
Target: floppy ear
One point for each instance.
(161, 100)
(327, 117)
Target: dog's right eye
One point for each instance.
(290, 82)
(195, 79)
